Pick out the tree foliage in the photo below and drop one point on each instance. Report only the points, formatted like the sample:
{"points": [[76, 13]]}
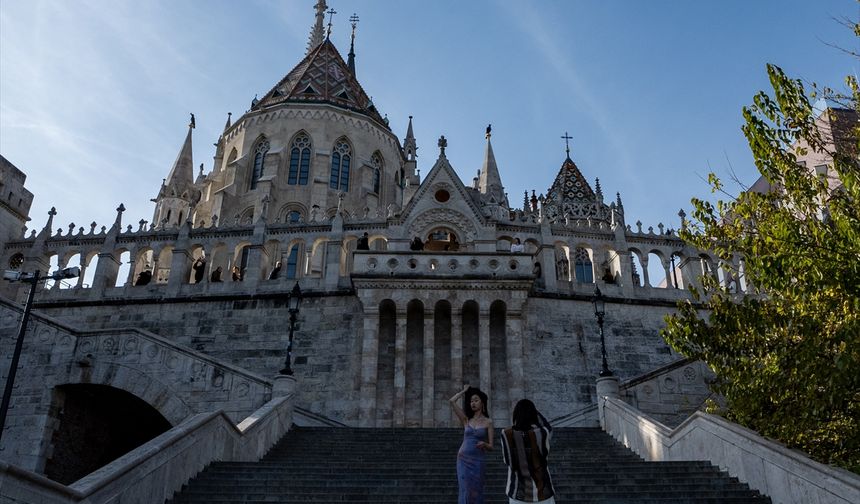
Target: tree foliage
{"points": [[787, 354]]}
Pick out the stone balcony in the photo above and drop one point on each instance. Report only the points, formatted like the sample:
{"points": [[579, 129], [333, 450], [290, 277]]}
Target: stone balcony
{"points": [[443, 265]]}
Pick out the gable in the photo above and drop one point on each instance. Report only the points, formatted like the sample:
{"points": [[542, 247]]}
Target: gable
{"points": [[442, 189]]}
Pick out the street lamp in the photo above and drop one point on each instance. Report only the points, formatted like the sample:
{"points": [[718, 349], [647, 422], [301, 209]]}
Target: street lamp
{"points": [[294, 299], [33, 279], [599, 311]]}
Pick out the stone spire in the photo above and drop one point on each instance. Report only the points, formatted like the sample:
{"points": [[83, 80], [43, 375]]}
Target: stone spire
{"points": [[409, 145], [182, 172], [490, 183], [229, 121], [317, 32], [350, 61]]}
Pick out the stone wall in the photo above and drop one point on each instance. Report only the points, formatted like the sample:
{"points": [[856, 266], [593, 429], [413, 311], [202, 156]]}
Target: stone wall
{"points": [[561, 346]]}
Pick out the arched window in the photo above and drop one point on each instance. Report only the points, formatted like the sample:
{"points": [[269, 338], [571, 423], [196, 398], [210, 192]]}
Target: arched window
{"points": [[582, 264], [341, 157], [294, 217], [259, 159], [377, 164], [293, 262], [300, 160]]}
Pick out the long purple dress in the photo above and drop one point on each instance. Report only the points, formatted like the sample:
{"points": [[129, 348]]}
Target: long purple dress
{"points": [[470, 466]]}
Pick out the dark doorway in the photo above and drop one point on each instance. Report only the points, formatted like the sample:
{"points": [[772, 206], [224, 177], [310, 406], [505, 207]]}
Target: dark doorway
{"points": [[97, 424]]}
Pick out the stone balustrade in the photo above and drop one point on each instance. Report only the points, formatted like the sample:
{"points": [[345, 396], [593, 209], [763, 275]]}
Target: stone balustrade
{"points": [[443, 265]]}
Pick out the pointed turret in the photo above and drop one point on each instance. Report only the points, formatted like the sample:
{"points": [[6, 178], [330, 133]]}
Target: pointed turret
{"points": [[350, 61], [410, 148], [178, 190], [229, 121], [489, 181], [317, 35]]}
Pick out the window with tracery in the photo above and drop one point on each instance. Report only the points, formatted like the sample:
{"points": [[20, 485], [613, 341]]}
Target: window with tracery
{"points": [[259, 159], [300, 160], [341, 158], [377, 164], [582, 266]]}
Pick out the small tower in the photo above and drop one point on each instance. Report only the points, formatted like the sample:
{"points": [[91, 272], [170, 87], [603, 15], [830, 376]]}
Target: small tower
{"points": [[177, 194], [489, 181], [408, 177]]}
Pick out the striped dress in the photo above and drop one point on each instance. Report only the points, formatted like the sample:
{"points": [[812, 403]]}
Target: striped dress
{"points": [[525, 454]]}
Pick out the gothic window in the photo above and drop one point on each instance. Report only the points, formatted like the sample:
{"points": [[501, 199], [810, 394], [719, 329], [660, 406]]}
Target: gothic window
{"points": [[259, 159], [293, 262], [300, 160], [582, 264], [341, 157], [377, 164]]}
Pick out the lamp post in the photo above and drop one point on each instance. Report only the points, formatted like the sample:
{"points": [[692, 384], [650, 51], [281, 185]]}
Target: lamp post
{"points": [[33, 279], [599, 311], [294, 299]]}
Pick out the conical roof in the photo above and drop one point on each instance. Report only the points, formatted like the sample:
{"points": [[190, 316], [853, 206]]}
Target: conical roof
{"points": [[182, 173], [321, 77], [570, 186]]}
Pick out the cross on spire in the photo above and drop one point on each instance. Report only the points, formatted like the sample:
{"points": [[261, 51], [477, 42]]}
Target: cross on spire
{"points": [[354, 20], [331, 13], [567, 139]]}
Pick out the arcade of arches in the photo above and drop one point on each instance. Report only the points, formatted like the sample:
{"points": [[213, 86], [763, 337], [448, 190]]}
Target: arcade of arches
{"points": [[418, 352]]}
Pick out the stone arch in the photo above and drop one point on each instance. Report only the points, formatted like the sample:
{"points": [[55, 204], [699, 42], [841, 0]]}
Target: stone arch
{"points": [[425, 222], [164, 260], [99, 423], [89, 263], [295, 265], [144, 260], [292, 213], [503, 243]]}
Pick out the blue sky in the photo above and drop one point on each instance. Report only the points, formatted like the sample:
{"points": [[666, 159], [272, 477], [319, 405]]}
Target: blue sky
{"points": [[95, 94]]}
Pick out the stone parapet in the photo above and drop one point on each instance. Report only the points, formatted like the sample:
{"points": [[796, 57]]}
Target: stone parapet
{"points": [[786, 476]]}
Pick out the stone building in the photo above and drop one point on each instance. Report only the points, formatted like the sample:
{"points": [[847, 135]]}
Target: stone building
{"points": [[386, 332]]}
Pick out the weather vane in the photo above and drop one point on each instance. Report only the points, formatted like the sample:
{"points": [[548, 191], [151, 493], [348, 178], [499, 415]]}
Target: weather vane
{"points": [[567, 139]]}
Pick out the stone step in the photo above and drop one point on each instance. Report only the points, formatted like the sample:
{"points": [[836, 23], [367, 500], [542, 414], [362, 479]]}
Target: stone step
{"points": [[418, 466]]}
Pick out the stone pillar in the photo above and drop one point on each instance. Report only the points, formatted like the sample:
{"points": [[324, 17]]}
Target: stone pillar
{"points": [[399, 407], [607, 387], [670, 279], [456, 355], [514, 351], [331, 271], [484, 350], [131, 265], [180, 270], [646, 280], [549, 275], [257, 254], [106, 269], [283, 385], [369, 362], [429, 392]]}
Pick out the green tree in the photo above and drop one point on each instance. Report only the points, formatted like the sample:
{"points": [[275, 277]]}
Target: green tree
{"points": [[787, 355]]}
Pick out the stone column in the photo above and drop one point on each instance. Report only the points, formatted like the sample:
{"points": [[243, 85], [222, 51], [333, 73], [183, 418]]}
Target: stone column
{"points": [[369, 362], [180, 270], [456, 355], [257, 255], [670, 280], [428, 394], [399, 407], [106, 268], [514, 350], [646, 281], [484, 350]]}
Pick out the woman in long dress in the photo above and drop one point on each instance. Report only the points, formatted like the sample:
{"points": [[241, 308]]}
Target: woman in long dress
{"points": [[477, 440]]}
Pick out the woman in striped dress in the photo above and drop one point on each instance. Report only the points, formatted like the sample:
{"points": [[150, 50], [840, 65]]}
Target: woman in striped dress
{"points": [[525, 447]]}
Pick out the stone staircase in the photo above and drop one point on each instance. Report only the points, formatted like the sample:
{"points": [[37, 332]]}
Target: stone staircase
{"points": [[418, 466]]}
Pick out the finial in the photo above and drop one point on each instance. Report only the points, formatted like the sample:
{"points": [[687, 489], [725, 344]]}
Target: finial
{"points": [[331, 13], [567, 139], [52, 212], [354, 20], [192, 124], [489, 131], [442, 144], [120, 208]]}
